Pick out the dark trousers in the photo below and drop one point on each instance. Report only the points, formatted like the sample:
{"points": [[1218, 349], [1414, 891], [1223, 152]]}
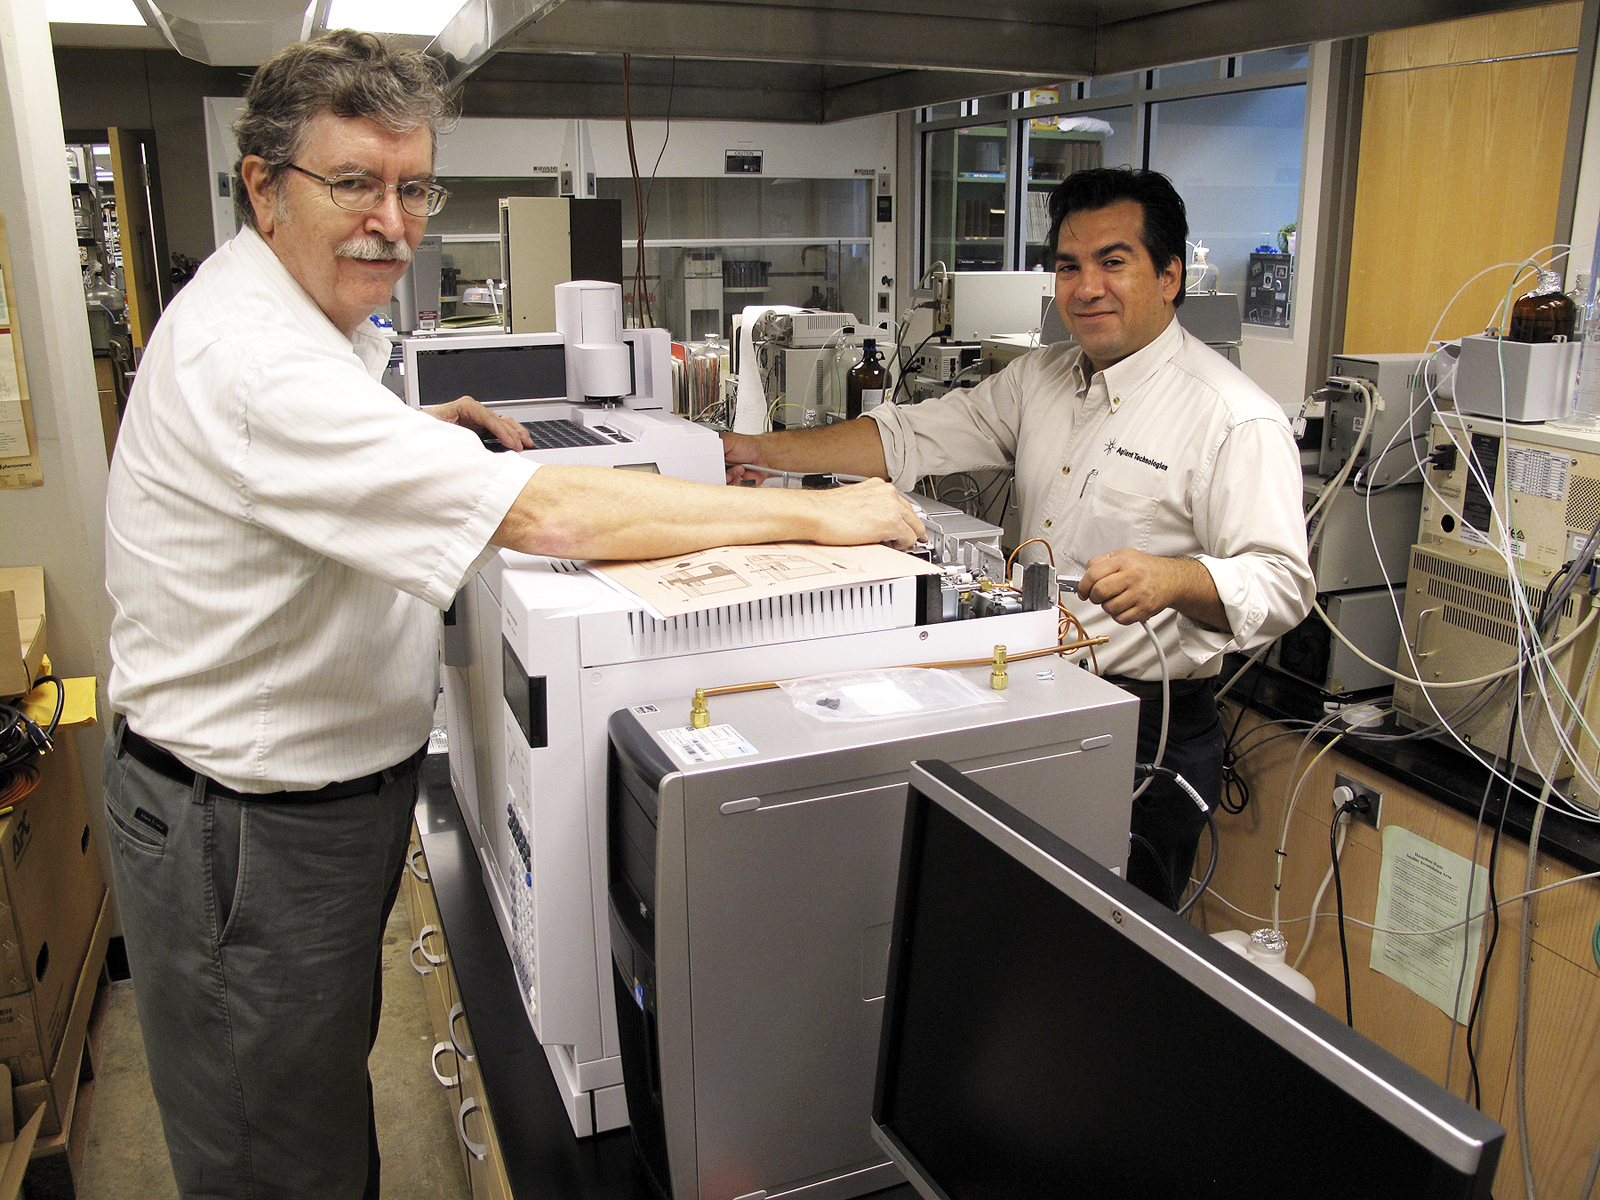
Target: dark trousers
{"points": [[254, 934], [1166, 822]]}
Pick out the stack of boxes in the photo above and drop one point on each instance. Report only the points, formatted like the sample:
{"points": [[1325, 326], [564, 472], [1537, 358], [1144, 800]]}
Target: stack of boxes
{"points": [[54, 923]]}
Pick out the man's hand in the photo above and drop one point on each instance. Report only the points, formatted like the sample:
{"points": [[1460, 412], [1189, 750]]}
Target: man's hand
{"points": [[1133, 587], [469, 414], [863, 513], [739, 449]]}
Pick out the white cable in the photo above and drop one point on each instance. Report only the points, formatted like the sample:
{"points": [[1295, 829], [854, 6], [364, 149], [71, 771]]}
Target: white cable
{"points": [[1282, 849], [1322, 889], [1477, 916], [1526, 940], [1166, 710]]}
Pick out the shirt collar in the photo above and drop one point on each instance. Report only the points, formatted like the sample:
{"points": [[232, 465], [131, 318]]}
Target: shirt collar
{"points": [[1126, 376], [298, 308]]}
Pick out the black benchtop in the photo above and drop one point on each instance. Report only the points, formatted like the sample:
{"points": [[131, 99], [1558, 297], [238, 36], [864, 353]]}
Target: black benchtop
{"points": [[542, 1158], [1440, 770]]}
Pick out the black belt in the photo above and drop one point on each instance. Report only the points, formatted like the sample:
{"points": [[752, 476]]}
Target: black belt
{"points": [[1150, 689], [165, 764]]}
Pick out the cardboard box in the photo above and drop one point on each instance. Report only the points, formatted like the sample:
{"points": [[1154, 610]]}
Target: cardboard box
{"points": [[51, 894], [21, 628], [14, 1153], [57, 1092]]}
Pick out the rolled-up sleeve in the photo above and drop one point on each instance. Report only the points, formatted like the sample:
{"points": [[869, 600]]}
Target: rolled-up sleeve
{"points": [[1251, 527], [967, 429]]}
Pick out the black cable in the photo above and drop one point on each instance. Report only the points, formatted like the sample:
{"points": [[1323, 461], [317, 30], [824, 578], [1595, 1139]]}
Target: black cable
{"points": [[1138, 839], [1348, 806], [1232, 781], [1178, 905], [901, 379], [22, 740], [1211, 869]]}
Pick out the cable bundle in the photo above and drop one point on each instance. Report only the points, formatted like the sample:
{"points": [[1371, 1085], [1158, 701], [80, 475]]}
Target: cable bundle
{"points": [[22, 741]]}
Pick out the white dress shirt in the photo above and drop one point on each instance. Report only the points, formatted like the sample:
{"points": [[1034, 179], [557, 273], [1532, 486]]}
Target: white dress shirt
{"points": [[281, 533], [1172, 451]]}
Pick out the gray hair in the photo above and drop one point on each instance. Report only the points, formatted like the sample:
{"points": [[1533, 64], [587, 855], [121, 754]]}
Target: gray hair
{"points": [[345, 72]]}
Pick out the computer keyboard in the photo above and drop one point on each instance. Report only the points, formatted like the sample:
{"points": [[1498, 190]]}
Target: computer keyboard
{"points": [[556, 435]]}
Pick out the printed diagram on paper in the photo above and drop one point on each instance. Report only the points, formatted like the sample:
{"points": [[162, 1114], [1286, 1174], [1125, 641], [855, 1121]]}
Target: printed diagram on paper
{"points": [[670, 587]]}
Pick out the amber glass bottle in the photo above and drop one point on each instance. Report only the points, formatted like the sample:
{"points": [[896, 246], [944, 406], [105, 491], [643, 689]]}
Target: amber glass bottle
{"points": [[1545, 314], [865, 382]]}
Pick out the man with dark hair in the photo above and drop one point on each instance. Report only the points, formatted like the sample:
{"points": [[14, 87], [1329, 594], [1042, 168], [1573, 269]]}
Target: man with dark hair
{"points": [[1147, 467], [281, 534]]}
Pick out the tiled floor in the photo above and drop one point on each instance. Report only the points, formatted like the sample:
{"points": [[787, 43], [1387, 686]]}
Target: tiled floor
{"points": [[127, 1158]]}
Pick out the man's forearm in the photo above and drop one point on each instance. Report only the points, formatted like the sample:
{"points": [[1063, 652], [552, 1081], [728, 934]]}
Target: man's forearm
{"points": [[596, 512], [849, 448]]}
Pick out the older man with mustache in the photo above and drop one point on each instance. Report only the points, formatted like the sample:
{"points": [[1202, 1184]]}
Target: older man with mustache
{"points": [[281, 533]]}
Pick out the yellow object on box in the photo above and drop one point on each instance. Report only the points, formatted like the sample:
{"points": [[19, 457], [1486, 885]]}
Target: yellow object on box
{"points": [[21, 628], [40, 704]]}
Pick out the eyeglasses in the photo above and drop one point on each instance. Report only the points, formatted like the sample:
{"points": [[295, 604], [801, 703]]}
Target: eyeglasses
{"points": [[363, 193]]}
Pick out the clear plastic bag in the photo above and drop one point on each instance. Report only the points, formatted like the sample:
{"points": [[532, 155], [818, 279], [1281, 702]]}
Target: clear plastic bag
{"points": [[889, 692]]}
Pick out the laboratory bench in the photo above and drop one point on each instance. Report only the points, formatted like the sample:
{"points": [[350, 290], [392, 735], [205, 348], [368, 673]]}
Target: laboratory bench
{"points": [[540, 1156], [1438, 769]]}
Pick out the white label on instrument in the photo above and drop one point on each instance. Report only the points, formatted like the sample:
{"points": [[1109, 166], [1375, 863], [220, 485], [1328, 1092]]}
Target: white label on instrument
{"points": [[706, 745], [1537, 472]]}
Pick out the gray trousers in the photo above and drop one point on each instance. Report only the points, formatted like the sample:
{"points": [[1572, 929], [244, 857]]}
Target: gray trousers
{"points": [[254, 934]]}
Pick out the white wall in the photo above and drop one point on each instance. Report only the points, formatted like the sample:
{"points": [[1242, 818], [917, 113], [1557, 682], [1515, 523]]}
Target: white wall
{"points": [[59, 525], [1586, 212], [517, 146]]}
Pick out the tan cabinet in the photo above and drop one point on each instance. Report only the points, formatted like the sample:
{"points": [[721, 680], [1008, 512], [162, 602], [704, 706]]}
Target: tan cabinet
{"points": [[452, 1054]]}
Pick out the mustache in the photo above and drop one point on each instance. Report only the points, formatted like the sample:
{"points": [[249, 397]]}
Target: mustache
{"points": [[373, 247]]}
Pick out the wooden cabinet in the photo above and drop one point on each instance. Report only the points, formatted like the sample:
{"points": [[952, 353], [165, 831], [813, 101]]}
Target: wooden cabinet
{"points": [[453, 1057]]}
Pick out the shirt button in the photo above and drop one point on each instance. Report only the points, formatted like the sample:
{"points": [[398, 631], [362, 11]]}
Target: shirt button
{"points": [[1066, 470], [1047, 524]]}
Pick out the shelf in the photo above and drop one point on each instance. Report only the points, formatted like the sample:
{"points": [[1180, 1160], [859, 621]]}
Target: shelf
{"points": [[726, 288], [981, 176]]}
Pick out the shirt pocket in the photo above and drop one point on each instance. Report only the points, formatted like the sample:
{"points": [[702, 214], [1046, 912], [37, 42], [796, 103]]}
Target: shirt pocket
{"points": [[1107, 518]]}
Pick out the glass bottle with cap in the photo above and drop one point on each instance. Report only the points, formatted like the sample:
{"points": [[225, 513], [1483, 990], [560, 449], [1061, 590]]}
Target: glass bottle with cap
{"points": [[865, 382], [1546, 314]]}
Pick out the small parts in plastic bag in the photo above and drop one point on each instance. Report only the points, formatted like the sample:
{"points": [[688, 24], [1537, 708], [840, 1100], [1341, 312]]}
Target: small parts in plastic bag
{"points": [[890, 692]]}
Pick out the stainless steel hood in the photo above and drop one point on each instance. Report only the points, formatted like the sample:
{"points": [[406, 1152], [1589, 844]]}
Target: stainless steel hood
{"points": [[827, 60], [785, 60]]}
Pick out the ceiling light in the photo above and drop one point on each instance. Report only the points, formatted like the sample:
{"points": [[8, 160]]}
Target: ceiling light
{"points": [[425, 17], [93, 12]]}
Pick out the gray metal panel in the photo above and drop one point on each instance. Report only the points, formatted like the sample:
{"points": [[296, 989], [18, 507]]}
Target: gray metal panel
{"points": [[1042, 38], [1203, 30], [775, 895]]}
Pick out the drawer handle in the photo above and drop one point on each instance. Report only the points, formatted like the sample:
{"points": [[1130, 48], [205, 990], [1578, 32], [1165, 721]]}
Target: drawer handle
{"points": [[478, 1150], [420, 968], [412, 859], [448, 1081], [456, 1013], [422, 937]]}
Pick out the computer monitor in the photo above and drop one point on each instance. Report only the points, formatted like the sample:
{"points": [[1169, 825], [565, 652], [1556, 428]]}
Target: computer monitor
{"points": [[1050, 1031], [494, 368]]}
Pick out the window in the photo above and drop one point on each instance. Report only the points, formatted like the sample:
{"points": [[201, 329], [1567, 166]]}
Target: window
{"points": [[1235, 159], [1231, 146]]}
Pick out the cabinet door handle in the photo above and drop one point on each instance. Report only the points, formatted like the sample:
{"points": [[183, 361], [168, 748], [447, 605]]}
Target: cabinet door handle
{"points": [[444, 1080], [412, 859], [478, 1150], [422, 937], [421, 968], [456, 1013]]}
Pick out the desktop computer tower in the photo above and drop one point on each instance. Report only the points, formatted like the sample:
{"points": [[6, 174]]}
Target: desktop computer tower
{"points": [[752, 869]]}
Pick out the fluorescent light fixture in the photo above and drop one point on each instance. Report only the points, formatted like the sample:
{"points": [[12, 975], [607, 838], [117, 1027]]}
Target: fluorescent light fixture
{"points": [[93, 12], [425, 17]]}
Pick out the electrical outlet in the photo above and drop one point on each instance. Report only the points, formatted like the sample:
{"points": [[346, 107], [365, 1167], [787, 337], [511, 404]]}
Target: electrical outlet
{"points": [[1359, 790]]}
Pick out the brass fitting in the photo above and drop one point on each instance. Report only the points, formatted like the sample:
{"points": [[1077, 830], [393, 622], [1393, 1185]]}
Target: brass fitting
{"points": [[997, 673], [699, 713]]}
